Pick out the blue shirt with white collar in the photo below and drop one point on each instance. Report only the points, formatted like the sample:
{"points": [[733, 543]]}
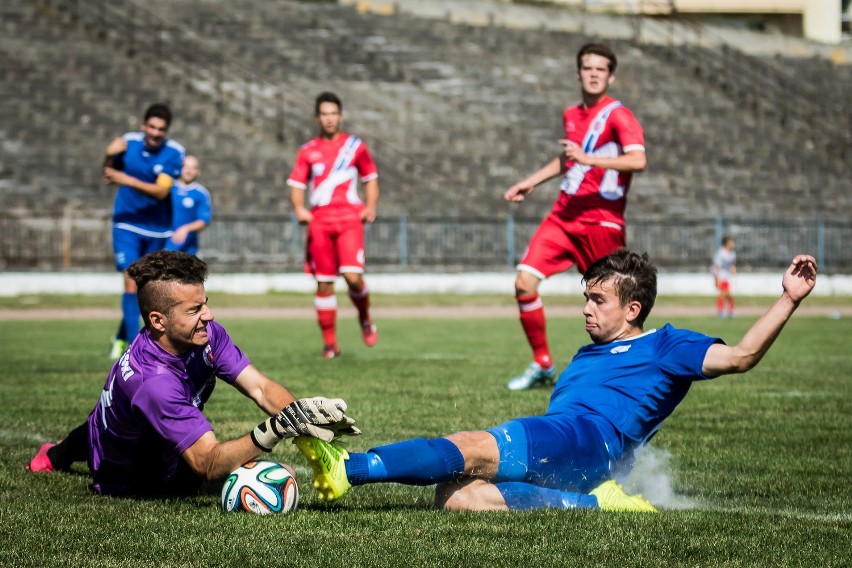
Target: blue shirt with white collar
{"points": [[190, 202], [631, 386], [136, 211]]}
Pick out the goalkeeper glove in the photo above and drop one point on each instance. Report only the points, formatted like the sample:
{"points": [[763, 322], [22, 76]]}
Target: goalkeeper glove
{"points": [[346, 427], [304, 417]]}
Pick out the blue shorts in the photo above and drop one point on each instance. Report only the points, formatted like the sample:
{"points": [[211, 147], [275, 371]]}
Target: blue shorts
{"points": [[129, 246], [562, 452]]}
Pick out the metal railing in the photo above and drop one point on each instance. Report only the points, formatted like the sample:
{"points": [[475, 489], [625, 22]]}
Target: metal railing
{"points": [[76, 241]]}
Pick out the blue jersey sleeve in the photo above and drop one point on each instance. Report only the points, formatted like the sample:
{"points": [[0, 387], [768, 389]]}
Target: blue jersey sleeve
{"points": [[205, 208], [173, 162], [680, 355]]}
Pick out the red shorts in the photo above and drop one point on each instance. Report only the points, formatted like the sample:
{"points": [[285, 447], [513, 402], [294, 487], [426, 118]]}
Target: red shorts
{"points": [[334, 246], [557, 245], [724, 286]]}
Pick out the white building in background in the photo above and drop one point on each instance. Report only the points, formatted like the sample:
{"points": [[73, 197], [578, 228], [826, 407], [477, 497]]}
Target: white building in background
{"points": [[822, 21], [818, 20]]}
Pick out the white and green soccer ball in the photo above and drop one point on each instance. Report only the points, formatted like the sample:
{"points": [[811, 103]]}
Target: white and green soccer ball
{"points": [[261, 487]]}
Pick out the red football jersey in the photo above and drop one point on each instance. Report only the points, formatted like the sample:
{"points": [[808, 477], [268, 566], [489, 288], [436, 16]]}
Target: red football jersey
{"points": [[330, 170], [597, 195]]}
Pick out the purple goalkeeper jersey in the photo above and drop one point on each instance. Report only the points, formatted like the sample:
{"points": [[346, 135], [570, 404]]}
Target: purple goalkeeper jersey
{"points": [[150, 410]]}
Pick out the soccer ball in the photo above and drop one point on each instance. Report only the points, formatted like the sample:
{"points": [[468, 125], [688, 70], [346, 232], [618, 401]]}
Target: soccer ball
{"points": [[261, 487]]}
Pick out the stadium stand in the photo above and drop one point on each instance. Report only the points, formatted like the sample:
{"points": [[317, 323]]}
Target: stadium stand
{"points": [[454, 113]]}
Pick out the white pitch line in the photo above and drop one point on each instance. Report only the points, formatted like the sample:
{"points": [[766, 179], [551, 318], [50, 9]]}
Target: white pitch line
{"points": [[796, 515]]}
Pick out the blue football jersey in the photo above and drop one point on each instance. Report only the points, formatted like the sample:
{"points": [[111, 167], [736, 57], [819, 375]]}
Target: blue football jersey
{"points": [[134, 210], [190, 203], [633, 383]]}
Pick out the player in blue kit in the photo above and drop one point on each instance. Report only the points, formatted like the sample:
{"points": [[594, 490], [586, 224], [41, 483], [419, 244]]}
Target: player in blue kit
{"points": [[191, 209], [611, 399], [144, 166]]}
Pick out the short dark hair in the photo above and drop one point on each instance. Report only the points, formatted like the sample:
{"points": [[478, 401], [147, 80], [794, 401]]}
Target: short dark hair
{"points": [[159, 110], [153, 274], [601, 49], [327, 97], [633, 275], [726, 239]]}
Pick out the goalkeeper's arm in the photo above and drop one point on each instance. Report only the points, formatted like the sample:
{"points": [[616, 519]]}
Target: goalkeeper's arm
{"points": [[288, 419], [318, 417], [213, 460]]}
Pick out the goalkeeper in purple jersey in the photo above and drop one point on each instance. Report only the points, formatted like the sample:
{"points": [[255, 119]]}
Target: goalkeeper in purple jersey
{"points": [[611, 399], [147, 434]]}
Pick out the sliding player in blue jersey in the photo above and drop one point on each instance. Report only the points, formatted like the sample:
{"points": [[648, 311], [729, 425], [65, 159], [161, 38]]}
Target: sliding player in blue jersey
{"points": [[611, 399], [144, 166]]}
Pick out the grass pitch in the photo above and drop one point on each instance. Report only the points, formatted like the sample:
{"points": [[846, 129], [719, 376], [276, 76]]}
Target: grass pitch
{"points": [[751, 470]]}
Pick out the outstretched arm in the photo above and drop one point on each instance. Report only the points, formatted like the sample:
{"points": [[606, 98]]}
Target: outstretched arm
{"points": [[319, 417], [212, 460], [797, 283], [524, 187]]}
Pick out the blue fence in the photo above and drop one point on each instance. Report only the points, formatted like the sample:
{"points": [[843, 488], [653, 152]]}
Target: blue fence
{"points": [[266, 243]]}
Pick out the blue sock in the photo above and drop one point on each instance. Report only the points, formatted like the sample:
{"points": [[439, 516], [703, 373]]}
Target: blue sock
{"points": [[525, 496], [358, 467], [413, 462], [131, 313]]}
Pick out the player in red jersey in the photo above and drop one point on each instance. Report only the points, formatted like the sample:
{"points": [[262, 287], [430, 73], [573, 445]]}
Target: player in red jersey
{"points": [[603, 146], [329, 168]]}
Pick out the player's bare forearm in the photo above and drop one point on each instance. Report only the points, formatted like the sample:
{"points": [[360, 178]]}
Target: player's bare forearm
{"points": [[212, 460], [159, 190], [194, 226], [116, 146], [269, 395], [745, 355], [634, 161], [550, 170], [525, 187], [798, 281], [371, 201]]}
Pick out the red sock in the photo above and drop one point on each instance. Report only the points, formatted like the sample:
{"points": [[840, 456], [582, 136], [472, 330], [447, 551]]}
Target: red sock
{"points": [[535, 326], [326, 306], [361, 299], [731, 304], [720, 304]]}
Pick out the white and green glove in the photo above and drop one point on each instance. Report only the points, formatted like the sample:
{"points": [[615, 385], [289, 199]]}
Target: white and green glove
{"points": [[319, 417]]}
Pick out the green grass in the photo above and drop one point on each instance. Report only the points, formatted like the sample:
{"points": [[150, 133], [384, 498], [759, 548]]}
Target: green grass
{"points": [[759, 464], [301, 300]]}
